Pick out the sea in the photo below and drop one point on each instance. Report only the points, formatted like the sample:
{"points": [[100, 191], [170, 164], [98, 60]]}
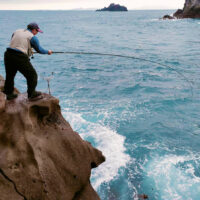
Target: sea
{"points": [[143, 113]]}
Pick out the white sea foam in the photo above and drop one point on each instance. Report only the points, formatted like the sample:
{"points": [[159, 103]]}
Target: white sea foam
{"points": [[153, 20], [172, 180], [108, 141]]}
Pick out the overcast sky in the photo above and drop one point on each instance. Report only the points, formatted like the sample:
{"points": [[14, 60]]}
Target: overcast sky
{"points": [[87, 4]]}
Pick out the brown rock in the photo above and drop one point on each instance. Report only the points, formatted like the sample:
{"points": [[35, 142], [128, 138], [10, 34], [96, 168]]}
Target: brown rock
{"points": [[1, 83], [7, 190], [142, 196], [2, 101], [191, 10], [41, 157]]}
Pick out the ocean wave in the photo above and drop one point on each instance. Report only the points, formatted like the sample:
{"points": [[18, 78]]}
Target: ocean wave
{"points": [[174, 177], [106, 140]]}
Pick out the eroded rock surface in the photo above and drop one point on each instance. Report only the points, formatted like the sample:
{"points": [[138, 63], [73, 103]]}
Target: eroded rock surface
{"points": [[41, 157]]}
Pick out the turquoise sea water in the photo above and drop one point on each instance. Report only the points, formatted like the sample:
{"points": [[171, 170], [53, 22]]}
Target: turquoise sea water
{"points": [[144, 117]]}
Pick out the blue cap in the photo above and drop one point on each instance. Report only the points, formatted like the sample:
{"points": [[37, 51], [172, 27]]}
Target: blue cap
{"points": [[34, 25]]}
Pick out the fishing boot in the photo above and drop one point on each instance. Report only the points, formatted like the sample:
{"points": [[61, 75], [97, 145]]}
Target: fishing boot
{"points": [[11, 96], [36, 95]]}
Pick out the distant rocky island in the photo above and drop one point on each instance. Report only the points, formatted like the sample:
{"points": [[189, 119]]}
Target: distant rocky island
{"points": [[113, 7], [191, 9]]}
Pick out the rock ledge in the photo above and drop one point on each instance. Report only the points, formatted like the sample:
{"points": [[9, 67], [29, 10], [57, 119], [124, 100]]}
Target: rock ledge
{"points": [[41, 157]]}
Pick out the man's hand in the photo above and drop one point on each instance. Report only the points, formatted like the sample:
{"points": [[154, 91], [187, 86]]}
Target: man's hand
{"points": [[50, 52]]}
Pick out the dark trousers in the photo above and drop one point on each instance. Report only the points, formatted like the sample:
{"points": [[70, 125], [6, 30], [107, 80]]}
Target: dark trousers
{"points": [[17, 61]]}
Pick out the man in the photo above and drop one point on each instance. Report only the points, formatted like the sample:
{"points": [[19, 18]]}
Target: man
{"points": [[17, 58]]}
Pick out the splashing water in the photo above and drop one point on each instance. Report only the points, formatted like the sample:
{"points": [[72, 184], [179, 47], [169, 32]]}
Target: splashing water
{"points": [[174, 177], [106, 140]]}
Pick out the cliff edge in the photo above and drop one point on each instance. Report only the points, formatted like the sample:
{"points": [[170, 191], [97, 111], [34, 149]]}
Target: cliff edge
{"points": [[41, 157]]}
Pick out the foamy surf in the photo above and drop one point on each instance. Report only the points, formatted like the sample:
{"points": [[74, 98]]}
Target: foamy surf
{"points": [[174, 177], [109, 142]]}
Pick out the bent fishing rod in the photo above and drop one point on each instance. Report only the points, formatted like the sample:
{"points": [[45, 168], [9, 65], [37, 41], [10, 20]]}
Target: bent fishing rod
{"points": [[130, 57]]}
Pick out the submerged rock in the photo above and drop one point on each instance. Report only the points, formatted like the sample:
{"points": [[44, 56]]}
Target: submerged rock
{"points": [[191, 9], [114, 7], [41, 157]]}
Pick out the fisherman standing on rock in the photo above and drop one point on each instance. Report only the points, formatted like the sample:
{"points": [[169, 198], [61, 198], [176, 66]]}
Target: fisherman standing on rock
{"points": [[16, 58]]}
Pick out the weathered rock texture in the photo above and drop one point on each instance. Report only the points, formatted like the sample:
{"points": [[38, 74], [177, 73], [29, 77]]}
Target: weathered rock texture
{"points": [[191, 10], [41, 157]]}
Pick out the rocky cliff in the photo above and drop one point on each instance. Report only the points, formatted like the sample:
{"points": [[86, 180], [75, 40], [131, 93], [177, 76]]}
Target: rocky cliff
{"points": [[41, 157], [191, 10]]}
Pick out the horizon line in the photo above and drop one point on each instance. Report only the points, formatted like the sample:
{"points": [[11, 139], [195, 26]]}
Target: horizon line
{"points": [[85, 9]]}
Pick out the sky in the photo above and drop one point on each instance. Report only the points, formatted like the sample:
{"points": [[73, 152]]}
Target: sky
{"points": [[87, 4]]}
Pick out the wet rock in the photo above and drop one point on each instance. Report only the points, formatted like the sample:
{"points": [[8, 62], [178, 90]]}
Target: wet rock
{"points": [[142, 196], [167, 17]]}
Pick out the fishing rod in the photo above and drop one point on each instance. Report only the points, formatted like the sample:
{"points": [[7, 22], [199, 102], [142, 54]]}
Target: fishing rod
{"points": [[130, 57]]}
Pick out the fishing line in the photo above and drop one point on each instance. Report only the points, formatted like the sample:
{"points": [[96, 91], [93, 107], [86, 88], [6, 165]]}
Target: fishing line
{"points": [[190, 83], [130, 57]]}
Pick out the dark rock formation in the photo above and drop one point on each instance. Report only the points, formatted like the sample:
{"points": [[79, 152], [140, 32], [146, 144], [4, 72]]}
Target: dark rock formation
{"points": [[178, 13], [114, 7], [191, 9], [167, 17], [41, 157]]}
